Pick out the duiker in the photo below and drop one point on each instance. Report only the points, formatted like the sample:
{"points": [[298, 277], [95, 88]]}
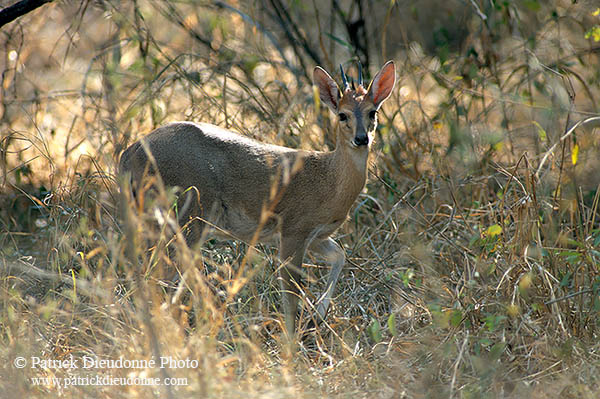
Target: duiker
{"points": [[256, 192]]}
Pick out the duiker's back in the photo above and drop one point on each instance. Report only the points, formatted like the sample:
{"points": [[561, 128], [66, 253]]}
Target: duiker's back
{"points": [[233, 174]]}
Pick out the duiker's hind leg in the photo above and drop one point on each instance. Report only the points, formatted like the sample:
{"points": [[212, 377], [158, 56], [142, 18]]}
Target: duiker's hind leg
{"points": [[188, 213]]}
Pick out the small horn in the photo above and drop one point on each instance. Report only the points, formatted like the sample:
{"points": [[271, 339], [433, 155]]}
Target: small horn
{"points": [[344, 80], [360, 77]]}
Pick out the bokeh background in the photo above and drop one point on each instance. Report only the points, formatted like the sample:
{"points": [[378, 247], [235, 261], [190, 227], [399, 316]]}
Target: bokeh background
{"points": [[473, 252]]}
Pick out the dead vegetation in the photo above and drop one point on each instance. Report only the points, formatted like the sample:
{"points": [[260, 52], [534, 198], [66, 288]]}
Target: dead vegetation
{"points": [[473, 253]]}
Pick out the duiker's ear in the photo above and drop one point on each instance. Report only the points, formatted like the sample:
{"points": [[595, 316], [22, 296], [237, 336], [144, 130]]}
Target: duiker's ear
{"points": [[329, 91], [383, 83]]}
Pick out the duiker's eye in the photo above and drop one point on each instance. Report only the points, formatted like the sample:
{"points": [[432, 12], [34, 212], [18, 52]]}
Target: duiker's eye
{"points": [[372, 114], [343, 117]]}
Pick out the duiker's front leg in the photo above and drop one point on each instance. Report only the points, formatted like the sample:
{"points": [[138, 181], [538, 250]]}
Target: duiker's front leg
{"points": [[332, 253], [291, 254]]}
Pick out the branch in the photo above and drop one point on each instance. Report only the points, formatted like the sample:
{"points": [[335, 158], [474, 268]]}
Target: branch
{"points": [[10, 13], [571, 295]]}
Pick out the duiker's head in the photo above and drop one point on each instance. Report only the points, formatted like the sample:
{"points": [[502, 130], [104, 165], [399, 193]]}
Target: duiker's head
{"points": [[356, 107]]}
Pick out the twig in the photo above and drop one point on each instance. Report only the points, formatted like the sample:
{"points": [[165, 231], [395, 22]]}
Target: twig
{"points": [[571, 295], [456, 364], [9, 14], [478, 11]]}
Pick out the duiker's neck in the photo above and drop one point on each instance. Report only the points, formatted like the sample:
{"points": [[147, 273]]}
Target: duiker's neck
{"points": [[351, 162]]}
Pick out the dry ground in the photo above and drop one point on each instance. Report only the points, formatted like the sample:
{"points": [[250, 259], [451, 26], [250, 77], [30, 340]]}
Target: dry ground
{"points": [[473, 253]]}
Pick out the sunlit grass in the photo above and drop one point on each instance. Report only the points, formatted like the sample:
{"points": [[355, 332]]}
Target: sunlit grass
{"points": [[473, 260]]}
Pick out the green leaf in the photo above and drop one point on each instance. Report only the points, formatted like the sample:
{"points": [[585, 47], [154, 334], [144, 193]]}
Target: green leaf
{"points": [[406, 277], [339, 41], [456, 318], [570, 256], [541, 132], [566, 280], [493, 230], [392, 325], [374, 331], [593, 33], [492, 322], [497, 350], [533, 5]]}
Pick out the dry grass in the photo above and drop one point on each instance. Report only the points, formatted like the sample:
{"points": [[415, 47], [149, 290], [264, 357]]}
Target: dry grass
{"points": [[473, 253]]}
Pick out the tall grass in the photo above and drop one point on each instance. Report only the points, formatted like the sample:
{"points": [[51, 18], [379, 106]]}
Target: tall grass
{"points": [[473, 253]]}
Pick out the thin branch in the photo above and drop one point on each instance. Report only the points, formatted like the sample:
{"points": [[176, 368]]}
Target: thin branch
{"points": [[10, 13], [571, 295]]}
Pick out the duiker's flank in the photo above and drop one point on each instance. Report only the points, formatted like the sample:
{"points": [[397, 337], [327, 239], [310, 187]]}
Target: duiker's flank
{"points": [[257, 191]]}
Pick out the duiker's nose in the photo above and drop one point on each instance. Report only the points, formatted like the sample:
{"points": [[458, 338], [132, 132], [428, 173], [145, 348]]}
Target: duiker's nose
{"points": [[361, 139]]}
